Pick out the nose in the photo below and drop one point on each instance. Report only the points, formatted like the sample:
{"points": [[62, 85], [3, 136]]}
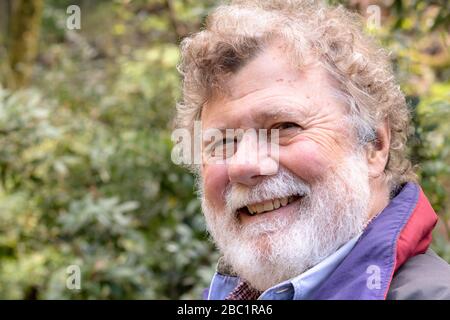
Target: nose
{"points": [[251, 162]]}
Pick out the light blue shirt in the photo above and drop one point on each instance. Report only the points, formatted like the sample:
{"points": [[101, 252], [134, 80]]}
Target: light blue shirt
{"points": [[298, 288]]}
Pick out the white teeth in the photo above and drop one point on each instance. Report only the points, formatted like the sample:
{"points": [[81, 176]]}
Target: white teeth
{"points": [[269, 205], [276, 203], [259, 208]]}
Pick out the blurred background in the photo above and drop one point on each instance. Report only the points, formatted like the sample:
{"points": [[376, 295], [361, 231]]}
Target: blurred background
{"points": [[85, 122]]}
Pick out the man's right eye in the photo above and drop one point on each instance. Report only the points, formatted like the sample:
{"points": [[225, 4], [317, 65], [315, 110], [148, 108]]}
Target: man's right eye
{"points": [[224, 148]]}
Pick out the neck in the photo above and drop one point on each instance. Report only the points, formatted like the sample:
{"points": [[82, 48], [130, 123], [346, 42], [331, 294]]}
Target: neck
{"points": [[379, 199]]}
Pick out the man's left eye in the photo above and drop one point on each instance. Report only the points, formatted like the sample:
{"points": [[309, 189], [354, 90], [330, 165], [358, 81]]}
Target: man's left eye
{"points": [[286, 125]]}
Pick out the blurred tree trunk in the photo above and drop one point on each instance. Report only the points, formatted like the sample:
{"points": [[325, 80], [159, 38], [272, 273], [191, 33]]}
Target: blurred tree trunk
{"points": [[5, 12], [23, 41]]}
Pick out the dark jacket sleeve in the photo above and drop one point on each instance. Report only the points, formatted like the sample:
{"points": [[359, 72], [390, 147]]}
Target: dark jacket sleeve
{"points": [[423, 277]]}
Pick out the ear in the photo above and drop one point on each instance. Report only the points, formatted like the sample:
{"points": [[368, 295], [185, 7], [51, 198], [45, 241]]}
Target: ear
{"points": [[378, 150]]}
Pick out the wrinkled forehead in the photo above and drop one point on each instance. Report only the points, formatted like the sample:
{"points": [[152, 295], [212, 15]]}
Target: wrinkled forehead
{"points": [[268, 83], [275, 60]]}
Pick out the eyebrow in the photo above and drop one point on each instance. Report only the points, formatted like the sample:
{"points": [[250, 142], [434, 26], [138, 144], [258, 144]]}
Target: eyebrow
{"points": [[278, 111], [285, 109]]}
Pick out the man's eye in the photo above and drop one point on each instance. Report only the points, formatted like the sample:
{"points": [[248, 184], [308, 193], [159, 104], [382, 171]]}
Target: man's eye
{"points": [[228, 142], [223, 148], [286, 125]]}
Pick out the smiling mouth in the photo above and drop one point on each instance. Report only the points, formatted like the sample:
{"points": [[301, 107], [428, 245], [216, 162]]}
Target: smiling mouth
{"points": [[267, 206]]}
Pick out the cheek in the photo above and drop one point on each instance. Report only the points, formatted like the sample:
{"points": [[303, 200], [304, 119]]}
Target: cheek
{"points": [[215, 180], [306, 159]]}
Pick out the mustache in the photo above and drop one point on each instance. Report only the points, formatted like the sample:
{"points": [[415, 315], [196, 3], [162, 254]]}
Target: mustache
{"points": [[283, 184]]}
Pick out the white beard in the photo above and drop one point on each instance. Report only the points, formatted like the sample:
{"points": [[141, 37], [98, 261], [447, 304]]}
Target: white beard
{"points": [[333, 210]]}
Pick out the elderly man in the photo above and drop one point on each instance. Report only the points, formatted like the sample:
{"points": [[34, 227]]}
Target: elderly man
{"points": [[335, 212]]}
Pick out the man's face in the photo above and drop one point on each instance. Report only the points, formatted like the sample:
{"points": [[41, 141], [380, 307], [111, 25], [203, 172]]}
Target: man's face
{"points": [[310, 199]]}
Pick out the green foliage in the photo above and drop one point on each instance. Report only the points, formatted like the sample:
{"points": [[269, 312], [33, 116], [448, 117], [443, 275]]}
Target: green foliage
{"points": [[86, 175], [85, 172]]}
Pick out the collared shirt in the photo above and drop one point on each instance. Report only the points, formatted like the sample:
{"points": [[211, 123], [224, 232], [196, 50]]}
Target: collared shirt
{"points": [[298, 288]]}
